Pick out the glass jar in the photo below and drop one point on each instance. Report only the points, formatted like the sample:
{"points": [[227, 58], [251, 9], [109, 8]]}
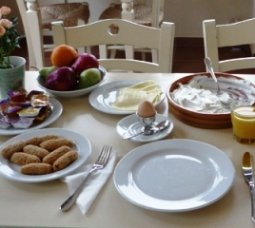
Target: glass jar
{"points": [[243, 122]]}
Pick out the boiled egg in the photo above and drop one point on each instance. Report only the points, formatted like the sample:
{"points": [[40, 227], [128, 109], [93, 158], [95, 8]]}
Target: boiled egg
{"points": [[146, 109]]}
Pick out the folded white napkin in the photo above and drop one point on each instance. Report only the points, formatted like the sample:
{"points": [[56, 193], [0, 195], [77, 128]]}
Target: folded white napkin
{"points": [[93, 184]]}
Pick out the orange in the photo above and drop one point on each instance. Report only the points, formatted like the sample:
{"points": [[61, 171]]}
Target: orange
{"points": [[63, 55]]}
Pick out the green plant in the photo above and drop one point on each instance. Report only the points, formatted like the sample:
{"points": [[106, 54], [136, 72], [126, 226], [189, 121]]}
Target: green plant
{"points": [[9, 37]]}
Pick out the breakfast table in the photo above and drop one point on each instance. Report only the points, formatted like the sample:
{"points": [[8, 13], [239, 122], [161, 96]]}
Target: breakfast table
{"points": [[37, 204]]}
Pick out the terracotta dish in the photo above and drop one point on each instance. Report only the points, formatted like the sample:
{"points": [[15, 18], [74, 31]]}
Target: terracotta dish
{"points": [[210, 120]]}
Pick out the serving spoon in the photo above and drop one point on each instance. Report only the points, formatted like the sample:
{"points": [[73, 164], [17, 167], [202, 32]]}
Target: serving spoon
{"points": [[209, 67]]}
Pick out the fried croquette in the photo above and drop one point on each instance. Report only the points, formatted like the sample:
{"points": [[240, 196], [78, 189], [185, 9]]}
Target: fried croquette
{"points": [[36, 150], [53, 144], [55, 154], [65, 160], [9, 150], [39, 139], [36, 169], [21, 158]]}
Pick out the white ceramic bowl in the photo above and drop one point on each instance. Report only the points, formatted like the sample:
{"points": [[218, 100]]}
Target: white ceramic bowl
{"points": [[72, 93]]}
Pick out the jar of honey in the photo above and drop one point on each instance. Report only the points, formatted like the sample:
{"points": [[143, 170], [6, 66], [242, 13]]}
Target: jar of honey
{"points": [[243, 122]]}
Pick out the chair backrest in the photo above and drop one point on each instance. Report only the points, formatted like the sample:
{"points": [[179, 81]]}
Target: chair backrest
{"points": [[22, 9], [30, 11], [121, 32], [227, 35], [157, 10]]}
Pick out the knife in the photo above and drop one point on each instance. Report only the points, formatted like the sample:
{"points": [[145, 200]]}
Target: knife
{"points": [[247, 168]]}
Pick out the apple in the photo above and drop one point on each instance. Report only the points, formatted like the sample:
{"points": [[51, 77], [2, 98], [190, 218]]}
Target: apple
{"points": [[85, 61], [62, 79], [45, 71], [89, 77]]}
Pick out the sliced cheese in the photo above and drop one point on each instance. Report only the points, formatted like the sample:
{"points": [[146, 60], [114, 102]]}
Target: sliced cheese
{"points": [[129, 98]]}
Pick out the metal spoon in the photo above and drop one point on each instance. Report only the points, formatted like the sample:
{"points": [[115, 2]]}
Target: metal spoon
{"points": [[153, 130], [208, 64], [209, 67]]}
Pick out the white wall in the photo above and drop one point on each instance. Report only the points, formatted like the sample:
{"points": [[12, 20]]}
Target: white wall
{"points": [[188, 14]]}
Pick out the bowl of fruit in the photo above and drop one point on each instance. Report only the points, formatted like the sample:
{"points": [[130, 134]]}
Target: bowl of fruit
{"points": [[71, 74]]}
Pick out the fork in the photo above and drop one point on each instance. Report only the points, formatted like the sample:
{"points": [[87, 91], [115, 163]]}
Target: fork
{"points": [[100, 163]]}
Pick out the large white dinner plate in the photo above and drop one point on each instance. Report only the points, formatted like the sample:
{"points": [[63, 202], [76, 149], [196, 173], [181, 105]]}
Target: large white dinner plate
{"points": [[103, 96], [57, 110], [174, 175], [83, 147]]}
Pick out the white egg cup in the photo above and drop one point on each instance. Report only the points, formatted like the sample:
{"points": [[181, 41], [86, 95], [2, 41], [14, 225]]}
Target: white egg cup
{"points": [[147, 122]]}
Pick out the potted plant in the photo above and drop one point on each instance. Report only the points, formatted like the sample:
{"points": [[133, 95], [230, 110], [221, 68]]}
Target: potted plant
{"points": [[12, 68]]}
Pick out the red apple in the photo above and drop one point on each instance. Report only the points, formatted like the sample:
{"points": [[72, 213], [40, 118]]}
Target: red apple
{"points": [[85, 61], [62, 79]]}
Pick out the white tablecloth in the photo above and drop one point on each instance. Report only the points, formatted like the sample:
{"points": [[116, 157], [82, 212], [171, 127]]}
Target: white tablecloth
{"points": [[37, 204]]}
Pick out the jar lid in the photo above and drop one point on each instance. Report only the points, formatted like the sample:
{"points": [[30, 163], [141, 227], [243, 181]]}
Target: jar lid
{"points": [[245, 111]]}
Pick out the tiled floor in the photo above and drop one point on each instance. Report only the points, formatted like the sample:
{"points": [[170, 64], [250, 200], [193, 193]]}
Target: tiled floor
{"points": [[188, 55]]}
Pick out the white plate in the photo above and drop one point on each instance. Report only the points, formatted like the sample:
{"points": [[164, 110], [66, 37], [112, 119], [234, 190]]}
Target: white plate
{"points": [[102, 97], [131, 125], [83, 147], [57, 110], [174, 175]]}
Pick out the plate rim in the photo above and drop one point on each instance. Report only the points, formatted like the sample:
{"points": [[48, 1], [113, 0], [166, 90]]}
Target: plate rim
{"points": [[54, 115], [96, 105], [168, 142], [83, 140]]}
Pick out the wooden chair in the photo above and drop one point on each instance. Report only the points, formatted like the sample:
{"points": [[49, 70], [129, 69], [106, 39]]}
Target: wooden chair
{"points": [[144, 12], [37, 16], [228, 35], [150, 13], [118, 31], [22, 10]]}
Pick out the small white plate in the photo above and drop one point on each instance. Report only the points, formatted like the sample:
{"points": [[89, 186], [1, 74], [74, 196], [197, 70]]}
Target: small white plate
{"points": [[11, 171], [174, 175], [131, 125], [56, 112], [102, 97]]}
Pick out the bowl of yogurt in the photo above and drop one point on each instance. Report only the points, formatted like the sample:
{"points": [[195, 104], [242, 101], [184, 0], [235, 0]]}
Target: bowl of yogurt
{"points": [[194, 98]]}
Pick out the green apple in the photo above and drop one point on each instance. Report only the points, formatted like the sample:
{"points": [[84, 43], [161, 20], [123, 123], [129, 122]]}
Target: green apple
{"points": [[45, 71], [89, 77]]}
